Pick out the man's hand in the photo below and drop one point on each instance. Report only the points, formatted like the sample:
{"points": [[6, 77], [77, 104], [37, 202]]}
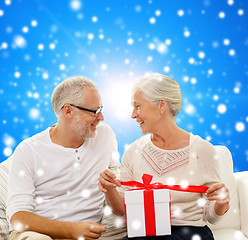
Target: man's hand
{"points": [[220, 193], [107, 181], [27, 221], [86, 230]]}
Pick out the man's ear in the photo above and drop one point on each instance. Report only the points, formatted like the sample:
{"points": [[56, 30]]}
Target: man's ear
{"points": [[67, 111]]}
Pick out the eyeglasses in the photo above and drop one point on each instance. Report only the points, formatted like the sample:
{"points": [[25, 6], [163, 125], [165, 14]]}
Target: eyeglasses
{"points": [[96, 112]]}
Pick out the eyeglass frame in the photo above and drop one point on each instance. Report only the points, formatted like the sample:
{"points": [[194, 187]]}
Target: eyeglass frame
{"points": [[96, 112]]}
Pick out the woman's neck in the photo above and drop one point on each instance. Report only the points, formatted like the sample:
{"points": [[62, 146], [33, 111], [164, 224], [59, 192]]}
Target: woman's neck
{"points": [[171, 137]]}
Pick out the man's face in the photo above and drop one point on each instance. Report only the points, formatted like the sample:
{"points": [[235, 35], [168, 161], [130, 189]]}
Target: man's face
{"points": [[84, 123]]}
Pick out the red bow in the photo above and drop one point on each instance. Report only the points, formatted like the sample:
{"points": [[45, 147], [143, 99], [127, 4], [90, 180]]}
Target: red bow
{"points": [[148, 178]]}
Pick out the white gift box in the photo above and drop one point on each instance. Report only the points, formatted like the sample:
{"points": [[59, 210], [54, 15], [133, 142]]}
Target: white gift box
{"points": [[144, 214]]}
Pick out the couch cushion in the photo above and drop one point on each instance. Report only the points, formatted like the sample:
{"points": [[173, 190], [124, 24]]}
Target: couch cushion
{"points": [[241, 178], [232, 218], [4, 227], [228, 234]]}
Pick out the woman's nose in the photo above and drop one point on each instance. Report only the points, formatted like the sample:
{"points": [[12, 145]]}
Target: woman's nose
{"points": [[134, 114]]}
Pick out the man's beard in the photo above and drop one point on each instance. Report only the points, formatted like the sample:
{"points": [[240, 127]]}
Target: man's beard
{"points": [[82, 131]]}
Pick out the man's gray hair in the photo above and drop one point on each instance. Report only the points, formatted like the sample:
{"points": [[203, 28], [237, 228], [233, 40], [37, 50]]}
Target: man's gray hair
{"points": [[70, 91], [156, 87]]}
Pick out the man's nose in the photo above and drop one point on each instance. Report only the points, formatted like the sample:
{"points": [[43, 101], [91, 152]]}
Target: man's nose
{"points": [[100, 116]]}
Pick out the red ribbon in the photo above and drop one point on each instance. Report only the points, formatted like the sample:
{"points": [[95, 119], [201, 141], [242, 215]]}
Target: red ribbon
{"points": [[149, 207], [148, 178]]}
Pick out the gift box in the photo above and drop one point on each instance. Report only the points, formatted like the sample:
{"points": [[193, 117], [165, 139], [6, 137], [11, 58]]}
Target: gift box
{"points": [[148, 207], [148, 212]]}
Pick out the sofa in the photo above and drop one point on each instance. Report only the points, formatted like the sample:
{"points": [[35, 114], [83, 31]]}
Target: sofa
{"points": [[232, 226]]}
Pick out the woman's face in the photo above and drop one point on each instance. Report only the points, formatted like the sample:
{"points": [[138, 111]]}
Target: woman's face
{"points": [[146, 114]]}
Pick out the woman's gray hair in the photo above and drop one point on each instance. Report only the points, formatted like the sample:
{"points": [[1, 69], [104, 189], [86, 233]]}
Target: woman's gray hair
{"points": [[70, 91], [156, 87]]}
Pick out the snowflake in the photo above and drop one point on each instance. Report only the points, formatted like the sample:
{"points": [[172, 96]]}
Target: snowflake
{"points": [[52, 46], [94, 19], [107, 210], [75, 5], [166, 69], [7, 2], [176, 211], [152, 20], [162, 48], [104, 66], [25, 29], [157, 12], [238, 235], [170, 181], [7, 151], [222, 15], [230, 2], [34, 23], [226, 41], [189, 109], [130, 41], [240, 126], [20, 41], [184, 184], [136, 224], [34, 113], [180, 13], [85, 193], [119, 222], [231, 52], [222, 108], [201, 55], [39, 200], [18, 226], [90, 36], [62, 67], [201, 202], [196, 237], [40, 172], [240, 12], [22, 173]]}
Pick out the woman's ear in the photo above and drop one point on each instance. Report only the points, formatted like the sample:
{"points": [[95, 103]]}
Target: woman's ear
{"points": [[163, 105]]}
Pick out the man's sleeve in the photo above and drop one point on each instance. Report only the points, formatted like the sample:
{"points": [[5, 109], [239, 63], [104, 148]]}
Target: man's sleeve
{"points": [[114, 156], [21, 188]]}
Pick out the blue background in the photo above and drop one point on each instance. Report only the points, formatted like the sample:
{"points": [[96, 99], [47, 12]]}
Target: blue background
{"points": [[203, 44]]}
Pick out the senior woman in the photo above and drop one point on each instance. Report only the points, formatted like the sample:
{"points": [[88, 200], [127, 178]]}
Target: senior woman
{"points": [[173, 156]]}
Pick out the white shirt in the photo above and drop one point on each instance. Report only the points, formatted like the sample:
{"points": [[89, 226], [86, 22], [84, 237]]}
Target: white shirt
{"points": [[60, 183], [193, 165]]}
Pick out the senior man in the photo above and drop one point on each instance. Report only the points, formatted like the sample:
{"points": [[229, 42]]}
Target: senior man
{"points": [[53, 191]]}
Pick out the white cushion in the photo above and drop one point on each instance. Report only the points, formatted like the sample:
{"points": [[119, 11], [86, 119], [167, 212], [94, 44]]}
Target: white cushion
{"points": [[4, 227], [242, 184], [232, 218], [228, 234]]}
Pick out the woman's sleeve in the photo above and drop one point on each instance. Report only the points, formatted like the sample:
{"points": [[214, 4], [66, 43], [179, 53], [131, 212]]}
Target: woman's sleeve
{"points": [[211, 171], [126, 169]]}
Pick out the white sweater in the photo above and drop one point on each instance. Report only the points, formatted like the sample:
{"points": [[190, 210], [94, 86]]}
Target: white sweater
{"points": [[192, 165], [60, 183]]}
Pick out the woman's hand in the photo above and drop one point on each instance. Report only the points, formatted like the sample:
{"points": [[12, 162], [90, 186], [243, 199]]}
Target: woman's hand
{"points": [[107, 181], [220, 193]]}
